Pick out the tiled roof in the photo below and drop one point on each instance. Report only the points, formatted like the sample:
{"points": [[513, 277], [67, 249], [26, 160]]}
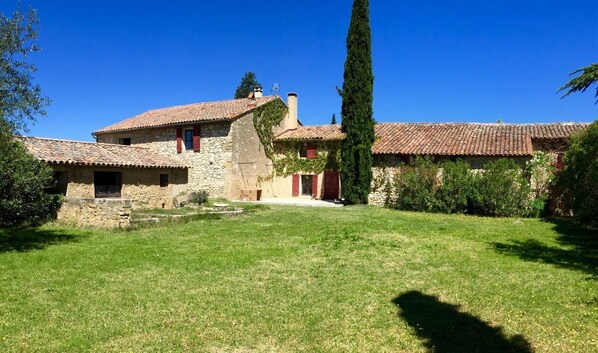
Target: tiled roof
{"points": [[448, 139], [96, 154], [320, 132], [191, 113]]}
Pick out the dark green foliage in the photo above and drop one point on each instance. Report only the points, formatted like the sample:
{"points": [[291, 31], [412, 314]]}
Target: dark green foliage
{"points": [[23, 200], [501, 190], [457, 184], [248, 83], [416, 185], [20, 98], [588, 77], [199, 197], [579, 178], [22, 178], [333, 121], [357, 111]]}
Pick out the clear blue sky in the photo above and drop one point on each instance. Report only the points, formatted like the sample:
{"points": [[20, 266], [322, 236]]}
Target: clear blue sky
{"points": [[434, 61]]}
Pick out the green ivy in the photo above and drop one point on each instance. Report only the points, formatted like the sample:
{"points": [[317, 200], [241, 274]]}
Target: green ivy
{"points": [[265, 117]]}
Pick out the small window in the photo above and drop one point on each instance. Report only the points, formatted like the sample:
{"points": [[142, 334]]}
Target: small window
{"points": [[306, 183], [189, 140], [303, 151], [59, 183], [163, 180], [107, 184], [125, 141]]}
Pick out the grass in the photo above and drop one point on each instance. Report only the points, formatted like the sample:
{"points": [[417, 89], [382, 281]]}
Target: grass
{"points": [[292, 279]]}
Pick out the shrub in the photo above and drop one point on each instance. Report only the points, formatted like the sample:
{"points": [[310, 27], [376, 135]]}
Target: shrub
{"points": [[579, 178], [501, 190], [23, 200], [456, 187], [541, 173], [416, 186], [199, 197]]}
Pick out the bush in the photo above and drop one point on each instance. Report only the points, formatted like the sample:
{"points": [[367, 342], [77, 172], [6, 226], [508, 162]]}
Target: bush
{"points": [[416, 186], [456, 187], [198, 197], [579, 178], [23, 200], [501, 190]]}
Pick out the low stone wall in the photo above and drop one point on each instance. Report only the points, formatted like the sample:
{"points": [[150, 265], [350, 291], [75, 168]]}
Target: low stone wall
{"points": [[98, 213]]}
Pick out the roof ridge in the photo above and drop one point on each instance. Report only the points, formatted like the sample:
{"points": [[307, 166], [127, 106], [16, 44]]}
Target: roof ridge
{"points": [[77, 141], [209, 102]]}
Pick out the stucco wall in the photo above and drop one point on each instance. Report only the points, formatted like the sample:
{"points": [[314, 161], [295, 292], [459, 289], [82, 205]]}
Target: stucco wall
{"points": [[249, 160], [142, 186]]}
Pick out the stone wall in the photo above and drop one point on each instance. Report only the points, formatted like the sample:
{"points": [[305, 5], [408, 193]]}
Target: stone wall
{"points": [[97, 213], [140, 185], [209, 169]]}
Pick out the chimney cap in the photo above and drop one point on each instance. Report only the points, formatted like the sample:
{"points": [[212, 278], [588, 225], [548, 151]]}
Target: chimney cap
{"points": [[292, 94]]}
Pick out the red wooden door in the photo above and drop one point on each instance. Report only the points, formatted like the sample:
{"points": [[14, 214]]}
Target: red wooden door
{"points": [[331, 185]]}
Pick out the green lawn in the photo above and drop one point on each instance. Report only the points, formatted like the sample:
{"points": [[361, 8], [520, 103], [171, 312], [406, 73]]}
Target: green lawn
{"points": [[290, 279]]}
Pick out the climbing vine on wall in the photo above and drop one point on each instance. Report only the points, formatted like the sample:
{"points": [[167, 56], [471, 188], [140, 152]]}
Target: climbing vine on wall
{"points": [[265, 118], [289, 162], [286, 161]]}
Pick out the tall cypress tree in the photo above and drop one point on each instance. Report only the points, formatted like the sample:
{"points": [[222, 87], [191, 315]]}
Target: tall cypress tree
{"points": [[357, 112]]}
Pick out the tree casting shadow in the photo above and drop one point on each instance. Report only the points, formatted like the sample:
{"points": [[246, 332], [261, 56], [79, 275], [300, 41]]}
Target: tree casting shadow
{"points": [[27, 239], [445, 329], [580, 252]]}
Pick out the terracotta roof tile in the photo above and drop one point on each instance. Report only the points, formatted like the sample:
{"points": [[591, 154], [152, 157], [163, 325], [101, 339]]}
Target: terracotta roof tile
{"points": [[191, 113], [448, 139], [95, 154], [321, 132]]}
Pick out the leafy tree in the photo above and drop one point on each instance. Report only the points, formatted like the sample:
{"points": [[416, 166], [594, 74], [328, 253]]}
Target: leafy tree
{"points": [[22, 178], [357, 112], [588, 77], [20, 99], [579, 178], [23, 200], [333, 121], [248, 83]]}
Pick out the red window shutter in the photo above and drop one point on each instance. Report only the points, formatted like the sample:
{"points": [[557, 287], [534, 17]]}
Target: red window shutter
{"points": [[196, 134], [560, 163], [295, 184], [314, 185], [311, 152], [179, 140]]}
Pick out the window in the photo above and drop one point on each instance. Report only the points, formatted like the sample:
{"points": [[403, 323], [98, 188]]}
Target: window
{"points": [[306, 185], [188, 140], [107, 184], [163, 180], [59, 184], [303, 151], [125, 141]]}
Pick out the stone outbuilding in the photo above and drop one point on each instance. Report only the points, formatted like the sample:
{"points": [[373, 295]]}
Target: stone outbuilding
{"points": [[103, 182]]}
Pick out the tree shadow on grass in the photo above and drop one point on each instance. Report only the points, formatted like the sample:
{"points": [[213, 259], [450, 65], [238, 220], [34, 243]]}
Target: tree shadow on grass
{"points": [[27, 239], [446, 329], [579, 249]]}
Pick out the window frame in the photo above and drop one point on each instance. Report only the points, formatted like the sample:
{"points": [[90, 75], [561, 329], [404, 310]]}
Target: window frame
{"points": [[164, 182], [188, 139], [105, 189]]}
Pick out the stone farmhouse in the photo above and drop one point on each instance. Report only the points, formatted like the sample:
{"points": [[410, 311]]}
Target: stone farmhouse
{"points": [[151, 159]]}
